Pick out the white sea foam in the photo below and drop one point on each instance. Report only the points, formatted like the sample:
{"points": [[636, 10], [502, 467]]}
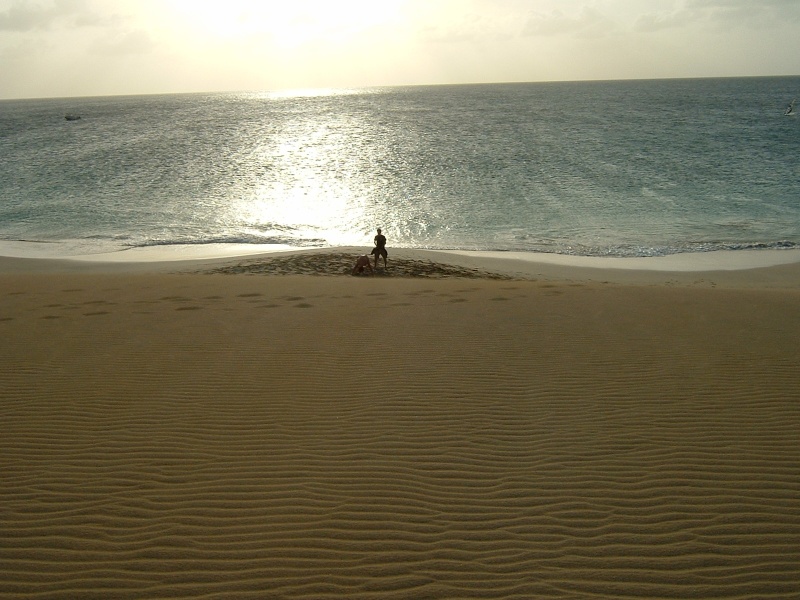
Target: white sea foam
{"points": [[721, 260]]}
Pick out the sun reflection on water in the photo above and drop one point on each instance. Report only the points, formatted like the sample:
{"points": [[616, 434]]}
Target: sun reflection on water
{"points": [[311, 179], [319, 170], [310, 93]]}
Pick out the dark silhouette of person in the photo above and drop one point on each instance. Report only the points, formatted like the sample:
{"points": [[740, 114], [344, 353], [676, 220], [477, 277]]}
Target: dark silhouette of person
{"points": [[380, 248]]}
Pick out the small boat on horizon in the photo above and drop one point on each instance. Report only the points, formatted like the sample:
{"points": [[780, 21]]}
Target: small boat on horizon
{"points": [[790, 109], [72, 117]]}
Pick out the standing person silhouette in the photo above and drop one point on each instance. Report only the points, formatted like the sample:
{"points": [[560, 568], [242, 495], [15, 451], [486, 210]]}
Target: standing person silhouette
{"points": [[380, 248]]}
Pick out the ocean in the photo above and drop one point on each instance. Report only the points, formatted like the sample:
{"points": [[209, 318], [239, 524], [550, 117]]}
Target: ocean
{"points": [[622, 168]]}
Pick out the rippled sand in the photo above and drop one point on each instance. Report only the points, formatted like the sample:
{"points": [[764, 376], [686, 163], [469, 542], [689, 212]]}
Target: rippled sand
{"points": [[248, 436]]}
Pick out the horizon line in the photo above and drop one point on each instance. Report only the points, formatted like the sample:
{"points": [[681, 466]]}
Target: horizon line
{"points": [[284, 90]]}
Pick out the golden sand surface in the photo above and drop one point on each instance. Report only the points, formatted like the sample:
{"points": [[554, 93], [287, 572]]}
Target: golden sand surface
{"points": [[250, 435]]}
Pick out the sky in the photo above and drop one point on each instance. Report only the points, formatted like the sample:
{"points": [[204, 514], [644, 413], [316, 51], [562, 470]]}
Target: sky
{"points": [[62, 48]]}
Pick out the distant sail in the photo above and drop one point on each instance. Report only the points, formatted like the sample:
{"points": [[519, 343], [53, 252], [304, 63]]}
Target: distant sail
{"points": [[790, 108]]}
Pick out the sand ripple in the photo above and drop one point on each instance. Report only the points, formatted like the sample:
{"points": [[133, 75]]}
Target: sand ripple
{"points": [[525, 442]]}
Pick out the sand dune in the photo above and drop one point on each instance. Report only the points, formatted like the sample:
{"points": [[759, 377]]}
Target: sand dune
{"points": [[235, 436]]}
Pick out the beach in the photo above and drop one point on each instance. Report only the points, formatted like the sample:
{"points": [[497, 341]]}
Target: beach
{"points": [[457, 426]]}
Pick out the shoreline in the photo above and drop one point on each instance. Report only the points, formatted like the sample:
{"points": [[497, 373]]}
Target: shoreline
{"points": [[738, 268]]}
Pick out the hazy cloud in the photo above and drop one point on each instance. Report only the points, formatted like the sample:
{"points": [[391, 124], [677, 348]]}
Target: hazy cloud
{"points": [[664, 20], [587, 22], [149, 46], [469, 27], [132, 42], [724, 14], [29, 15], [765, 4]]}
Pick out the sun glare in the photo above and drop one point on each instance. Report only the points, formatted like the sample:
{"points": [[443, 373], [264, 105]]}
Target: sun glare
{"points": [[332, 22], [286, 23]]}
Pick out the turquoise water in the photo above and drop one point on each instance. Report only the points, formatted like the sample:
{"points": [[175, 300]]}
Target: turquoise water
{"points": [[637, 168]]}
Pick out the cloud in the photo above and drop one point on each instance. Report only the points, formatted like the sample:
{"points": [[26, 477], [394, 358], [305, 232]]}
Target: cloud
{"points": [[758, 14], [25, 15], [588, 22], [722, 15], [140, 46], [459, 21], [132, 42], [664, 20], [468, 27], [727, 4]]}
